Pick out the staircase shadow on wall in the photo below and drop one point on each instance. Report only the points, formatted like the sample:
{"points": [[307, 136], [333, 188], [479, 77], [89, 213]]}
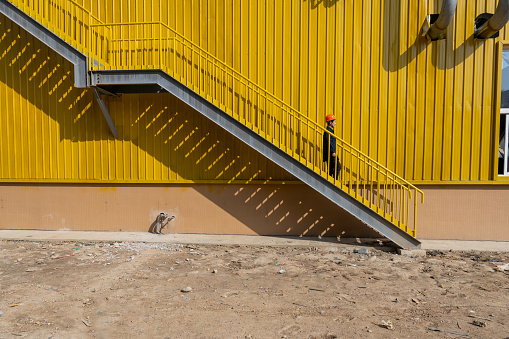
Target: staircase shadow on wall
{"points": [[154, 130]]}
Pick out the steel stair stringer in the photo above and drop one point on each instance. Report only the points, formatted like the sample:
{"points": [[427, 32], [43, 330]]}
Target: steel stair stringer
{"points": [[264, 147]]}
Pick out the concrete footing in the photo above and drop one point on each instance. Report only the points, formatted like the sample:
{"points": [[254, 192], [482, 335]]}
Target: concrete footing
{"points": [[412, 253]]}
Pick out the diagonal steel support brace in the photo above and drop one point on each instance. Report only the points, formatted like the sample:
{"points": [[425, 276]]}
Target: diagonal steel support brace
{"points": [[105, 112]]}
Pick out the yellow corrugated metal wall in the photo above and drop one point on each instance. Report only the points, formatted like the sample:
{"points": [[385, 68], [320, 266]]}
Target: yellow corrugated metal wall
{"points": [[424, 110], [50, 130]]}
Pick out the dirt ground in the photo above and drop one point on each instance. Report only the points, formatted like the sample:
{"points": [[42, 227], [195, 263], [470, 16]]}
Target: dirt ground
{"points": [[136, 290]]}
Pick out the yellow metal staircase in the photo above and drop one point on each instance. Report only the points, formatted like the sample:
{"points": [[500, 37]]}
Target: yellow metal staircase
{"points": [[372, 191]]}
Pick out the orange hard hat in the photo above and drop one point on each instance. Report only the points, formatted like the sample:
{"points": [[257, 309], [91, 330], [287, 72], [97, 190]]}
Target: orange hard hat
{"points": [[330, 117]]}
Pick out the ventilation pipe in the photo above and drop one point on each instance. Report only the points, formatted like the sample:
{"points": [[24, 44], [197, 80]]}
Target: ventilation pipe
{"points": [[439, 26], [486, 29]]}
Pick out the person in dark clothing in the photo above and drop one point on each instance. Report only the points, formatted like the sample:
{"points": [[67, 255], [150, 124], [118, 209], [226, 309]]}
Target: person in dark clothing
{"points": [[329, 147]]}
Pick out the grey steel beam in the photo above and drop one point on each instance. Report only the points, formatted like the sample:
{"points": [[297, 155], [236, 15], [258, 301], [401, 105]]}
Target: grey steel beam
{"points": [[105, 112], [53, 41], [326, 188]]}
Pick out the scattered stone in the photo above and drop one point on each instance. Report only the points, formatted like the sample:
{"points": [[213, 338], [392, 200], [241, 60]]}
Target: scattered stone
{"points": [[502, 268], [214, 271], [1, 313], [412, 253], [85, 322], [361, 250], [186, 289], [416, 301], [479, 323], [281, 271], [387, 324]]}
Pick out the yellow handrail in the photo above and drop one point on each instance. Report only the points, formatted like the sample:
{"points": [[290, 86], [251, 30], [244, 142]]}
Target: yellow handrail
{"points": [[155, 45]]}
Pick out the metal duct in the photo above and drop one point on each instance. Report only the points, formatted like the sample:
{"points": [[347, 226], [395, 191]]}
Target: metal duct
{"points": [[437, 30], [495, 23]]}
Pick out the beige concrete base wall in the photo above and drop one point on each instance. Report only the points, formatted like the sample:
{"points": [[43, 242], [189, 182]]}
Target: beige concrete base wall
{"points": [[449, 212], [464, 212], [292, 209]]}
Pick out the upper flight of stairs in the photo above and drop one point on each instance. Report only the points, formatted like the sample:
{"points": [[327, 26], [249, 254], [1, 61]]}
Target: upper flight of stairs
{"points": [[153, 57]]}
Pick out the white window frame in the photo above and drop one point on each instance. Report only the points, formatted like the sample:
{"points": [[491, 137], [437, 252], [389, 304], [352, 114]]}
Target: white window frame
{"points": [[505, 111]]}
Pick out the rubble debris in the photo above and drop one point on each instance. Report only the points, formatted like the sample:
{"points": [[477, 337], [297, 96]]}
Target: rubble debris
{"points": [[387, 324], [446, 331], [85, 322], [503, 268], [363, 250], [479, 323]]}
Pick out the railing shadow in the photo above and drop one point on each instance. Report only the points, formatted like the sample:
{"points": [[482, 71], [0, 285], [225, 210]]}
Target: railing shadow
{"points": [[275, 121], [240, 98], [157, 126]]}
